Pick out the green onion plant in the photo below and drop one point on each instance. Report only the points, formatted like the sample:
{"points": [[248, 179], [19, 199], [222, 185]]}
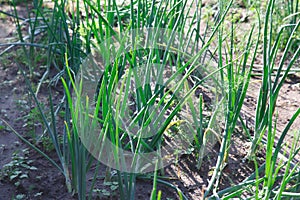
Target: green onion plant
{"points": [[134, 75]]}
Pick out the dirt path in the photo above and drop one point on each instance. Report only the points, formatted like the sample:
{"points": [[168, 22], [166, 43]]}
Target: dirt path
{"points": [[9, 97], [14, 107]]}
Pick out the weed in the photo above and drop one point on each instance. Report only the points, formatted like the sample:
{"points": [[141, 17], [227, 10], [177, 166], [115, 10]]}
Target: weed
{"points": [[18, 169], [110, 191]]}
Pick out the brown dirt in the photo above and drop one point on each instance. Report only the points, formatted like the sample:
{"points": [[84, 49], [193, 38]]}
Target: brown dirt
{"points": [[287, 103], [49, 182], [14, 106], [46, 182]]}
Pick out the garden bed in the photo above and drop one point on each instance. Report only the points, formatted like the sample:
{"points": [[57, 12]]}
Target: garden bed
{"points": [[26, 174]]}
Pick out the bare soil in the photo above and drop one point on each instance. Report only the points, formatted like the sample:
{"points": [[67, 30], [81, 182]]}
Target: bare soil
{"points": [[46, 182]]}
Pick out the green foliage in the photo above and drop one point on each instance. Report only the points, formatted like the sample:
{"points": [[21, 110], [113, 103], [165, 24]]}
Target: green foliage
{"points": [[110, 191], [286, 15], [70, 32], [18, 168], [31, 121]]}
